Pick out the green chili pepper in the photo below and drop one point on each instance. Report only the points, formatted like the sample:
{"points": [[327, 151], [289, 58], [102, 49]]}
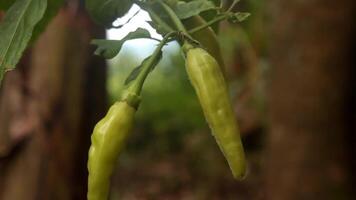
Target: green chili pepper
{"points": [[211, 88], [207, 38], [108, 139], [111, 132]]}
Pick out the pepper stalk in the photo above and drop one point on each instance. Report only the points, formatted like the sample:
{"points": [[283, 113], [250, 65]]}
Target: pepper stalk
{"points": [[132, 94]]}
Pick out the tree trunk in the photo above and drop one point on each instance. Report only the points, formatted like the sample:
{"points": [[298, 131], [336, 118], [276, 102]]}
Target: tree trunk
{"points": [[310, 100], [48, 107]]}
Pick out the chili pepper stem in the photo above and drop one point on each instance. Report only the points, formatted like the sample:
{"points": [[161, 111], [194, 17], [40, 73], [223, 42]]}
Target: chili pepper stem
{"points": [[209, 23], [136, 86], [175, 19], [155, 18], [159, 21]]}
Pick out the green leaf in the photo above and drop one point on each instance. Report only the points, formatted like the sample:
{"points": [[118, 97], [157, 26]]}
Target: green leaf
{"points": [[136, 71], [51, 11], [239, 17], [110, 48], [160, 13], [185, 10], [211, 14], [104, 12], [5, 4], [206, 37], [156, 27], [16, 31]]}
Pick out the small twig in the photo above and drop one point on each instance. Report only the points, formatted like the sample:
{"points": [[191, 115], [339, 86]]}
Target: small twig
{"points": [[136, 86], [233, 5], [207, 24]]}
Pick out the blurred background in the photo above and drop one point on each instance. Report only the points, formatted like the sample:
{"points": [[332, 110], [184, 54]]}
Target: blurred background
{"points": [[291, 71]]}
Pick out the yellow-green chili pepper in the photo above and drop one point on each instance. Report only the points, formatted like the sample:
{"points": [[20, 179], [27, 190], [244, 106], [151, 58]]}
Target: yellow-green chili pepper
{"points": [[108, 139], [111, 132], [212, 91], [207, 38]]}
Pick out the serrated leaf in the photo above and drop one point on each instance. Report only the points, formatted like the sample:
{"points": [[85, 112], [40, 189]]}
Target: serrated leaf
{"points": [[239, 16], [5, 4], [136, 71], [104, 12], [110, 48], [16, 30], [185, 10]]}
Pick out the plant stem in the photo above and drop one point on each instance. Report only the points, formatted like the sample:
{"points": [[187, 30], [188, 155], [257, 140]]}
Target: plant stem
{"points": [[207, 24], [155, 18], [232, 5], [159, 21], [179, 25], [136, 86]]}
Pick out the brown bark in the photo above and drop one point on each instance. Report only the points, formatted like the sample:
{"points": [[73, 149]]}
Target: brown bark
{"points": [[47, 109], [310, 99]]}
